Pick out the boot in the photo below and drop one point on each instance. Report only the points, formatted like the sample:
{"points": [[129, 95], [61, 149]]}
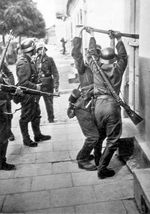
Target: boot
{"points": [[103, 171], [37, 133], [42, 137], [30, 143], [97, 156], [84, 157], [8, 167], [87, 165], [97, 153], [84, 153], [26, 138], [106, 173], [3, 164]]}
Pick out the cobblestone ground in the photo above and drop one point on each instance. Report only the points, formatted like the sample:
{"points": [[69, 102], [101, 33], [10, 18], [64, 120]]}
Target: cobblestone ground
{"points": [[48, 180]]}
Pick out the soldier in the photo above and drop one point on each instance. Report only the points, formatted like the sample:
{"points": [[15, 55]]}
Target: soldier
{"points": [[30, 111], [63, 45], [5, 119], [107, 110], [9, 80], [49, 77], [83, 111]]}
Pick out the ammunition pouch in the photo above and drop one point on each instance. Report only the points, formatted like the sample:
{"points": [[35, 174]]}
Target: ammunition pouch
{"points": [[47, 80], [47, 83]]}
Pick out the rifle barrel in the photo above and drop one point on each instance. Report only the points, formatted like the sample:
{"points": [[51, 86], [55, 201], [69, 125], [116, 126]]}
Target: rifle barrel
{"points": [[134, 36], [12, 89]]}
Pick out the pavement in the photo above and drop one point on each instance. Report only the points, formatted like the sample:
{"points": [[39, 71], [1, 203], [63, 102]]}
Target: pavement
{"points": [[47, 178]]}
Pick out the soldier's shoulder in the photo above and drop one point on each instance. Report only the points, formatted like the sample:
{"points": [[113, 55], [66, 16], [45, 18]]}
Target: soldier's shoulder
{"points": [[21, 61], [50, 58]]}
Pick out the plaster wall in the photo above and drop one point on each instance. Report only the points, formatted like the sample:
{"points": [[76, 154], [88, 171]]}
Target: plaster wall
{"points": [[144, 66]]}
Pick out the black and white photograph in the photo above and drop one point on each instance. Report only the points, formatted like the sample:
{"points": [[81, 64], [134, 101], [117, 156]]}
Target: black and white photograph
{"points": [[74, 107]]}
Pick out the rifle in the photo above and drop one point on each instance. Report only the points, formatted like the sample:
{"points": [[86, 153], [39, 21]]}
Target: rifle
{"points": [[3, 58], [132, 114], [12, 89], [134, 36]]}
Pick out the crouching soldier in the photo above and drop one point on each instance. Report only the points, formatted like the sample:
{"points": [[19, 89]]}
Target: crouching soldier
{"points": [[82, 110]]}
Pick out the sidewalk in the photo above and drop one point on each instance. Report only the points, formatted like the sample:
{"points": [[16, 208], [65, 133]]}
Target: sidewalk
{"points": [[48, 180]]}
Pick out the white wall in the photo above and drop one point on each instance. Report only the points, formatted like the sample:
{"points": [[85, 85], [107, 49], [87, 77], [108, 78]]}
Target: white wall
{"points": [[106, 15], [144, 49]]}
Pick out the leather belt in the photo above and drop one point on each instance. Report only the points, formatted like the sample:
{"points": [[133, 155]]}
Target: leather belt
{"points": [[104, 96]]}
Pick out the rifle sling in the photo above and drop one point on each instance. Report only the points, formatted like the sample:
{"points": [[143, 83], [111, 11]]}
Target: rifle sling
{"points": [[107, 83]]}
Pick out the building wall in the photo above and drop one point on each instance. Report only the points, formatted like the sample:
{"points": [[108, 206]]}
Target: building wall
{"points": [[144, 65], [108, 15]]}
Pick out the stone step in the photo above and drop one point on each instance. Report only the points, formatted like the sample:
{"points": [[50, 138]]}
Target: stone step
{"points": [[134, 154], [142, 189]]}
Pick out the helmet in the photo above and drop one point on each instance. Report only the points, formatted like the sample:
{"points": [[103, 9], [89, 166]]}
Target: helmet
{"points": [[41, 45], [27, 45], [108, 55]]}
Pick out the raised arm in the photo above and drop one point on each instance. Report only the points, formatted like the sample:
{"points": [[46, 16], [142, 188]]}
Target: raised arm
{"points": [[77, 55]]}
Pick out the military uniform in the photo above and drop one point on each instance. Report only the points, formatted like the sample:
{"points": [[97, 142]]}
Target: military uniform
{"points": [[5, 121], [49, 77], [30, 111], [107, 110], [11, 80], [84, 115]]}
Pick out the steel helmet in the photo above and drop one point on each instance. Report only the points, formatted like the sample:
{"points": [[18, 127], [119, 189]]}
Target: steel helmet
{"points": [[108, 54], [41, 45], [27, 45]]}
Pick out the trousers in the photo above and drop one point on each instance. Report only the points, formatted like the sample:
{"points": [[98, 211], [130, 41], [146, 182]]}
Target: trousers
{"points": [[108, 118], [4, 132], [89, 128], [30, 112]]}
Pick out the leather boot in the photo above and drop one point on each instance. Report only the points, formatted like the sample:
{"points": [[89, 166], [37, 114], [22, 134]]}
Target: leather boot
{"points": [[97, 153], [3, 150], [84, 153], [8, 167], [103, 171], [26, 138], [87, 165], [42, 137], [37, 133], [30, 143], [3, 164]]}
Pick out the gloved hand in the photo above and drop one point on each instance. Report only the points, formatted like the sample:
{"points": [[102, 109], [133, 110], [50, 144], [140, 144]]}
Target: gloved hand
{"points": [[89, 30], [114, 34], [18, 91], [38, 86], [57, 91], [117, 34]]}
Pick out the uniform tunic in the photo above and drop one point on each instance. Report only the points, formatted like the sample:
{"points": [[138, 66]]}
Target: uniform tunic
{"points": [[49, 77], [5, 100], [107, 110], [84, 116]]}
